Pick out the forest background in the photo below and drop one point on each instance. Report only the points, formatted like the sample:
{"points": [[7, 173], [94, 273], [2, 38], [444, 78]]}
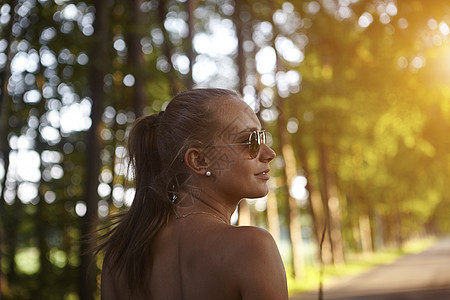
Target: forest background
{"points": [[354, 95]]}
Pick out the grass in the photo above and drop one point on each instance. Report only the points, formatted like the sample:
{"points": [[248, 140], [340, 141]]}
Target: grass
{"points": [[356, 263]]}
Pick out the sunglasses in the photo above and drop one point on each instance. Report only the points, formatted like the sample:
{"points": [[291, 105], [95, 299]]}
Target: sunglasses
{"points": [[256, 138]]}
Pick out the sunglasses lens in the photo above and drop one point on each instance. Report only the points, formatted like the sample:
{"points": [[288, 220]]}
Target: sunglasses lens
{"points": [[255, 144], [262, 136]]}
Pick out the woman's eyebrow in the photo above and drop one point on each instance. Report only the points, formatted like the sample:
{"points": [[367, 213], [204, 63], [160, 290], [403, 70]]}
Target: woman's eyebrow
{"points": [[250, 129]]}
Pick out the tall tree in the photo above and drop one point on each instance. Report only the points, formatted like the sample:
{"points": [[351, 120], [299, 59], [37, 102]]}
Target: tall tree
{"points": [[190, 8], [4, 126], [167, 48], [135, 55], [98, 57], [289, 171]]}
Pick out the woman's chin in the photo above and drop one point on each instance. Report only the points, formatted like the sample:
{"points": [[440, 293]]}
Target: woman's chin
{"points": [[259, 194]]}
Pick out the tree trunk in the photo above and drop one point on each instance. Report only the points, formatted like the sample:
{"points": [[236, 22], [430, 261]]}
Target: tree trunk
{"points": [[324, 192], [353, 222], [135, 56], [377, 229], [399, 238], [4, 108], [292, 213], [97, 73], [331, 206], [190, 6], [4, 129], [365, 233], [4, 155], [11, 239], [5, 74], [168, 48], [273, 220], [315, 211], [336, 224], [240, 45], [244, 216], [41, 233], [40, 220]]}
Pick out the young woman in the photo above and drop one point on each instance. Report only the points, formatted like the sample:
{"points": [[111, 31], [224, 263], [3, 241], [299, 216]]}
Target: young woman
{"points": [[192, 165]]}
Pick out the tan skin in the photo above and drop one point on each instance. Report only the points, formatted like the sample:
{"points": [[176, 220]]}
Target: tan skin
{"points": [[200, 255]]}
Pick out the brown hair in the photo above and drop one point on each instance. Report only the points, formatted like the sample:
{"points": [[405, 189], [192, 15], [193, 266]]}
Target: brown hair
{"points": [[156, 147]]}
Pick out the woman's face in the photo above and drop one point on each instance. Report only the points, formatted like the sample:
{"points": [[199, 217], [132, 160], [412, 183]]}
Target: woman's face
{"points": [[235, 173]]}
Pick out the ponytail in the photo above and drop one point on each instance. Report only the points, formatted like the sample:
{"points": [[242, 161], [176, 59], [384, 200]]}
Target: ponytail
{"points": [[129, 242], [143, 150]]}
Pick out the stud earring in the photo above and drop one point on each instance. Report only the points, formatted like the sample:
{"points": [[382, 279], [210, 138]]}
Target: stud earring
{"points": [[208, 173]]}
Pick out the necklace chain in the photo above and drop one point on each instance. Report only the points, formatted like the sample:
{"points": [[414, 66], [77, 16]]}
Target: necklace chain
{"points": [[199, 213]]}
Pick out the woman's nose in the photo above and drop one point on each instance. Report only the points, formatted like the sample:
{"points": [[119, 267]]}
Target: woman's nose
{"points": [[266, 153]]}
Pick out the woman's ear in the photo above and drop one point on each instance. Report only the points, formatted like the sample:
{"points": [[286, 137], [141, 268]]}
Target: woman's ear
{"points": [[196, 161]]}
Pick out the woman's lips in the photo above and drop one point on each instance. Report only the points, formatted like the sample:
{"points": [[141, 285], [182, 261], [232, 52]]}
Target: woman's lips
{"points": [[263, 175]]}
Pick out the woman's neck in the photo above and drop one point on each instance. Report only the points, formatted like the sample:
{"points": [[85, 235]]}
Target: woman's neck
{"points": [[198, 200]]}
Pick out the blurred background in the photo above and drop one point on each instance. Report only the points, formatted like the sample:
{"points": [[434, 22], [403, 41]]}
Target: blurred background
{"points": [[354, 94]]}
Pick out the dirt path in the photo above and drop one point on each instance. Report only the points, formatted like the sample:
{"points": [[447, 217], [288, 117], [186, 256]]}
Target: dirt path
{"points": [[422, 276]]}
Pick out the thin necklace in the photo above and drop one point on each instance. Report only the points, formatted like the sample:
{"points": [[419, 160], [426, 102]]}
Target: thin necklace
{"points": [[200, 213]]}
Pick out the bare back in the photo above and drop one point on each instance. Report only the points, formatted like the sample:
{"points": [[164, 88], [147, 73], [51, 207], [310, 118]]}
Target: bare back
{"points": [[198, 257]]}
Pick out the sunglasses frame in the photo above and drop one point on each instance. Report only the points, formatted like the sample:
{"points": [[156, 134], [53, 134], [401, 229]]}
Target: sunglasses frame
{"points": [[260, 139]]}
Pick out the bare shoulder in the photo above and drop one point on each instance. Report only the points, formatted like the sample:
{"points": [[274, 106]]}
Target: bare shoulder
{"points": [[254, 235], [256, 263], [248, 239]]}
